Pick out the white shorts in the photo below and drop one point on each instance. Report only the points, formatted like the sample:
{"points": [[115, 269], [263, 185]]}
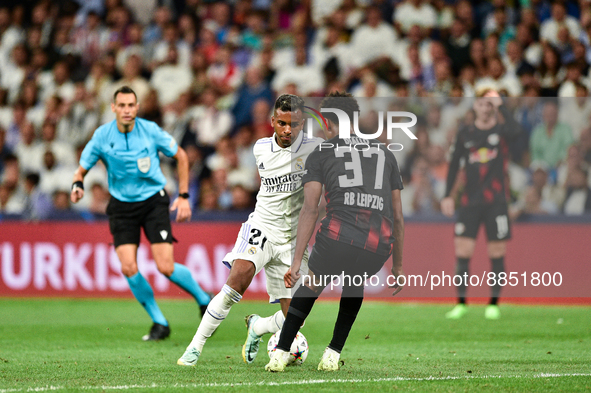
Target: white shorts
{"points": [[252, 245]]}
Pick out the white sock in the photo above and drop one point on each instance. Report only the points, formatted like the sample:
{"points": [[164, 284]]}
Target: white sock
{"points": [[217, 310], [271, 324]]}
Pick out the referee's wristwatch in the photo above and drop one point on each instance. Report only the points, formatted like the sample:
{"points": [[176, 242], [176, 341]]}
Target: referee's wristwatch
{"points": [[184, 195]]}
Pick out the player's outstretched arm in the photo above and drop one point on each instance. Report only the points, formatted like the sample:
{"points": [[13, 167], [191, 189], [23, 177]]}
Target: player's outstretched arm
{"points": [[306, 225], [399, 236], [182, 205], [78, 185]]}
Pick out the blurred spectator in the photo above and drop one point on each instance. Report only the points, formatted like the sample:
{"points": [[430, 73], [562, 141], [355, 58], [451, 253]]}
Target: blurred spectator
{"points": [[170, 79], [80, 118], [419, 150], [423, 199], [150, 108], [27, 149], [170, 39], [477, 58], [528, 114], [63, 151], [133, 48], [53, 175], [550, 73], [585, 143], [550, 139], [438, 167], [208, 200], [532, 49], [305, 76], [13, 70], [37, 204], [261, 119], [574, 161], [241, 199], [62, 208], [199, 69], [11, 195], [90, 39], [132, 77], [578, 194], [208, 123], [253, 89], [154, 31], [224, 75], [501, 26], [568, 87], [458, 46], [575, 112], [373, 39], [99, 199], [497, 79], [414, 12], [58, 83], [550, 28]]}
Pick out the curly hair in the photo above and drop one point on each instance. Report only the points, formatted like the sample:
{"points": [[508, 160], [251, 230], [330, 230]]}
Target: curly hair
{"points": [[339, 100]]}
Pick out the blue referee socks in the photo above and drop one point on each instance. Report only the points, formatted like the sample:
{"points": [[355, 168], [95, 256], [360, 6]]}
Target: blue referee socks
{"points": [[142, 291], [182, 277]]}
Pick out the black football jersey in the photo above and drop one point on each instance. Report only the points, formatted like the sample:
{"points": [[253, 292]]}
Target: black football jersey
{"points": [[358, 177], [486, 157]]}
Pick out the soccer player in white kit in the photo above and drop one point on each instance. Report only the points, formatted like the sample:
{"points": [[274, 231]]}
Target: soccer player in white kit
{"points": [[265, 239]]}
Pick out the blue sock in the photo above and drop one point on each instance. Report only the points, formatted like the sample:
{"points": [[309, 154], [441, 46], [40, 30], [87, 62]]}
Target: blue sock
{"points": [[182, 277], [142, 291]]}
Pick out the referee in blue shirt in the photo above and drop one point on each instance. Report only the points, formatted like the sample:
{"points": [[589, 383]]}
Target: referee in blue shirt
{"points": [[129, 147]]}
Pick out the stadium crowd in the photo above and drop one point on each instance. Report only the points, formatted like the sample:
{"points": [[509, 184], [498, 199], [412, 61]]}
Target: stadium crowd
{"points": [[208, 72]]}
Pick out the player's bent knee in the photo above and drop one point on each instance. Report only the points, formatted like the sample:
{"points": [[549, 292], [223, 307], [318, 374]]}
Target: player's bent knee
{"points": [[129, 270], [167, 269], [241, 275]]}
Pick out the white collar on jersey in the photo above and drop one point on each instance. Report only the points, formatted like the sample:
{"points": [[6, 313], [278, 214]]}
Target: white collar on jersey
{"points": [[295, 146]]}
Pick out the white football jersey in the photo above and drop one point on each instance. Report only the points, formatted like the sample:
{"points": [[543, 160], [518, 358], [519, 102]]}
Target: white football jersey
{"points": [[281, 195]]}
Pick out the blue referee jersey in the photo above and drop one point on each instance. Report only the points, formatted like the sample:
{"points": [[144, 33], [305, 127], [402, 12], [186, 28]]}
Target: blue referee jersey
{"points": [[132, 160]]}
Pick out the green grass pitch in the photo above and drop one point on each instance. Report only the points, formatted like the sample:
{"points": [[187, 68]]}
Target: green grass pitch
{"points": [[95, 346]]}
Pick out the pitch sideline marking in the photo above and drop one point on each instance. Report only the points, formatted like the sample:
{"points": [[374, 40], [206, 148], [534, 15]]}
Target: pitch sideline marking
{"points": [[304, 382]]}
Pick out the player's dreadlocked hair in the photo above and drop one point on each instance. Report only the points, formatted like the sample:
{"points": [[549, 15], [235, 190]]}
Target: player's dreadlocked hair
{"points": [[339, 100], [289, 103]]}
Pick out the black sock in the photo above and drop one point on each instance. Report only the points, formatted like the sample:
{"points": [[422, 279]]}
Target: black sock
{"points": [[348, 310], [462, 270], [301, 304], [498, 267]]}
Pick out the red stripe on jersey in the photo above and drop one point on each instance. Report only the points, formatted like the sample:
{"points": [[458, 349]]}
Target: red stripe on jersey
{"points": [[373, 239], [385, 231], [334, 228]]}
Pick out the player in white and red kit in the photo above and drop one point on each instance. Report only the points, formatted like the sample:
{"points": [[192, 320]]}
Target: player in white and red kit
{"points": [[265, 239]]}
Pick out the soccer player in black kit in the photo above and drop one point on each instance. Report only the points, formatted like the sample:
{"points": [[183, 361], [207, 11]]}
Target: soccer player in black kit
{"points": [[483, 146], [363, 226]]}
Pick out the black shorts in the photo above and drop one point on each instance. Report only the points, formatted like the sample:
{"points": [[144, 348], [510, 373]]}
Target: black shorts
{"points": [[494, 216], [126, 219], [331, 257]]}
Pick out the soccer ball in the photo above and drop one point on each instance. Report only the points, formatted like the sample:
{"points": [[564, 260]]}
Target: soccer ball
{"points": [[298, 351]]}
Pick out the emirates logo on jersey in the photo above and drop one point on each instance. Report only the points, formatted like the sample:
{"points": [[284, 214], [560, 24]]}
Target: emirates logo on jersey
{"points": [[285, 183]]}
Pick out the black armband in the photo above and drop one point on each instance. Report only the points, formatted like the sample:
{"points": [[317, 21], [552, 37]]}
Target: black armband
{"points": [[184, 195], [78, 184]]}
